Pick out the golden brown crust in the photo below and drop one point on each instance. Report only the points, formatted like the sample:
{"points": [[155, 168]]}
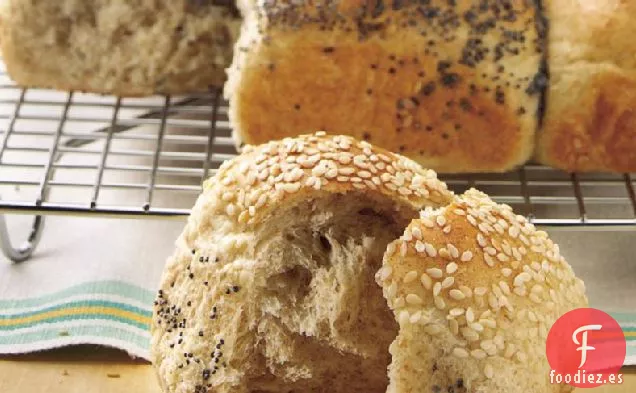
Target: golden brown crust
{"points": [[435, 82], [590, 122], [121, 48], [486, 287], [263, 177]]}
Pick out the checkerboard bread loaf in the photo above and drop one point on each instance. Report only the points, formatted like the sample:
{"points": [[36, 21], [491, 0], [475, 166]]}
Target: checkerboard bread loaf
{"points": [[590, 121], [454, 85], [288, 277], [127, 48]]}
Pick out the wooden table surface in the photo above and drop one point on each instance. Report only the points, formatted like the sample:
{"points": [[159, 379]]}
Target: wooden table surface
{"points": [[96, 370]]}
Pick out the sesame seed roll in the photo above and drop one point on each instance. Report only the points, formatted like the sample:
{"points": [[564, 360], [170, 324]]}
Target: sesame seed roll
{"points": [[475, 289], [283, 243]]}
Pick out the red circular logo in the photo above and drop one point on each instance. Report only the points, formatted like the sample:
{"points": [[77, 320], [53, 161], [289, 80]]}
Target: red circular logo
{"points": [[586, 348]]}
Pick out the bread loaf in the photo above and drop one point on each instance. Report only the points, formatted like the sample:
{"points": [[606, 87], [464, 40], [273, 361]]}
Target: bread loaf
{"points": [[273, 286], [454, 85], [127, 48], [590, 122]]}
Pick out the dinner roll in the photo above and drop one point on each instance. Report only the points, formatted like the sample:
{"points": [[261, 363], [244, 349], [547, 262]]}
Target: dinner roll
{"points": [[475, 290], [271, 287]]}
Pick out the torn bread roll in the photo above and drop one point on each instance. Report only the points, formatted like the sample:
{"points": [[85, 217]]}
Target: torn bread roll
{"points": [[475, 290], [271, 286], [127, 48], [454, 85]]}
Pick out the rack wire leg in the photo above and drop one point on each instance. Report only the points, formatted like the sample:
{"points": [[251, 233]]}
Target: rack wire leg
{"points": [[26, 249]]}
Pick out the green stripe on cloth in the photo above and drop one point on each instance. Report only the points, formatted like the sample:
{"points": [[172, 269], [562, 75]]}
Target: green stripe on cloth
{"points": [[76, 331], [111, 287], [81, 303]]}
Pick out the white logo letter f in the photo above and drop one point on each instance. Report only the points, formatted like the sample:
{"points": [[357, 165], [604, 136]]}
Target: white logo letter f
{"points": [[583, 344]]}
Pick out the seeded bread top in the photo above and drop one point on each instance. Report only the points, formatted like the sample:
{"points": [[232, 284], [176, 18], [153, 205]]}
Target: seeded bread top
{"points": [[277, 172]]}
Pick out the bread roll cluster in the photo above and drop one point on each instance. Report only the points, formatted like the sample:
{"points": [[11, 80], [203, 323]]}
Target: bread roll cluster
{"points": [[312, 264], [457, 85]]}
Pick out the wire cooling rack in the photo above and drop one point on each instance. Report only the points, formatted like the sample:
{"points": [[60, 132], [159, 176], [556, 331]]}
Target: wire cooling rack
{"points": [[83, 154]]}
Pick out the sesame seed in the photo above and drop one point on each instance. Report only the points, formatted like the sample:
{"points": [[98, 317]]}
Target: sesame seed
{"points": [[504, 287], [392, 290], [522, 278], [427, 282], [404, 317], [390, 249], [431, 251], [466, 256], [489, 261], [466, 290], [440, 303], [460, 353], [520, 291], [480, 291], [443, 252], [478, 354], [435, 272], [420, 247], [493, 302], [459, 212], [346, 171], [470, 315], [433, 329], [415, 318], [457, 294], [399, 302], [490, 323], [427, 222], [489, 347], [534, 298], [413, 299], [448, 282], [441, 220], [502, 257], [437, 288], [451, 268], [403, 249], [471, 220], [469, 334], [385, 273], [507, 272], [456, 312], [453, 250], [454, 326], [417, 233], [410, 276], [490, 251]]}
